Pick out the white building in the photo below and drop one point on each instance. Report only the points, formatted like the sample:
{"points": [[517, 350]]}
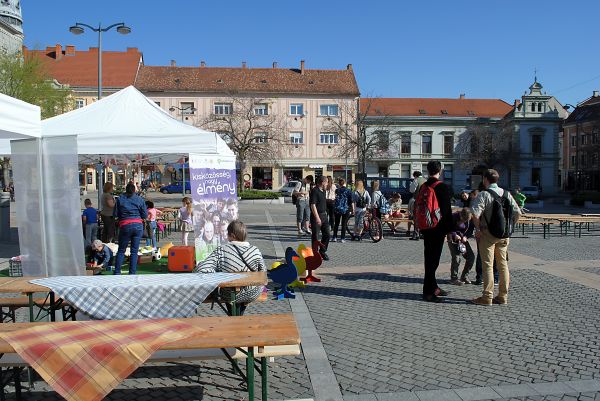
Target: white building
{"points": [[537, 122], [11, 26]]}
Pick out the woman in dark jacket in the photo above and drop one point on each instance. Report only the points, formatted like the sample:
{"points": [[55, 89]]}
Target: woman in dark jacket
{"points": [[131, 212]]}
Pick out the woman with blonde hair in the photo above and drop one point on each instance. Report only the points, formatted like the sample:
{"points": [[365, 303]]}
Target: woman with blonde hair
{"points": [[186, 220], [360, 200]]}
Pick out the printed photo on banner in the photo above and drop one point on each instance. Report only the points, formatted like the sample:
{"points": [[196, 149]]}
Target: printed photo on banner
{"points": [[215, 203]]}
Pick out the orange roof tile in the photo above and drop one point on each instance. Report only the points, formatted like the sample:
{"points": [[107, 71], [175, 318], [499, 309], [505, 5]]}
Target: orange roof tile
{"points": [[435, 107], [247, 80], [79, 68]]}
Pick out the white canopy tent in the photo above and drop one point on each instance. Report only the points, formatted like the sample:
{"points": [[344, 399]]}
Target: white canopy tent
{"points": [[45, 180], [127, 122]]}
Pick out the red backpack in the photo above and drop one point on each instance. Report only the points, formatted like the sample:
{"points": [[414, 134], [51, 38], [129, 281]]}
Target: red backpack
{"points": [[427, 209]]}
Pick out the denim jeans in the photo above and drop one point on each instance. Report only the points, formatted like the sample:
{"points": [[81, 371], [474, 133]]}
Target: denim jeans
{"points": [[129, 232], [152, 239], [91, 233]]}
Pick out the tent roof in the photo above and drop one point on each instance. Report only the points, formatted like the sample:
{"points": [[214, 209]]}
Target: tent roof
{"points": [[18, 120], [127, 122]]}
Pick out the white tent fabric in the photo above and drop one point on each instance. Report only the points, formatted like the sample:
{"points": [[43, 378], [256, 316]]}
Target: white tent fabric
{"points": [[127, 122], [18, 120]]}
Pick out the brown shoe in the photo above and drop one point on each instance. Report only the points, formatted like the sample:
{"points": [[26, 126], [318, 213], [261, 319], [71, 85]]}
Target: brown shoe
{"points": [[499, 301], [481, 301]]}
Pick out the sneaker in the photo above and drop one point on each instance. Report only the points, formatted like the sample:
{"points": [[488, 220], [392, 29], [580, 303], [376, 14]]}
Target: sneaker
{"points": [[481, 301], [343, 241], [300, 233], [308, 232], [465, 280], [495, 284], [324, 255], [456, 282], [432, 298], [334, 239], [477, 282], [441, 293], [499, 301]]}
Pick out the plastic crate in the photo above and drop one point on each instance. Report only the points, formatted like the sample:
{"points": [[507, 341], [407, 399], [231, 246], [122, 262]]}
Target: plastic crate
{"points": [[14, 268]]}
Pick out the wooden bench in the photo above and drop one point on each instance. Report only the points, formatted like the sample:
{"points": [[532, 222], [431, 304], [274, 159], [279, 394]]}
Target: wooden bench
{"points": [[9, 305], [245, 337]]}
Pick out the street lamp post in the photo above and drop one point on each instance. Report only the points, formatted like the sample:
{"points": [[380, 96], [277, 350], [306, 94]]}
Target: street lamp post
{"points": [[346, 155], [182, 109], [78, 29]]}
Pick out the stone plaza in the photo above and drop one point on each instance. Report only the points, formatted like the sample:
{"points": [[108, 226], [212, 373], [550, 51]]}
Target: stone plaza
{"points": [[367, 335]]}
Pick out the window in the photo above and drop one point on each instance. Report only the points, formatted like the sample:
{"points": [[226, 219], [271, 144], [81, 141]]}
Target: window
{"points": [[448, 145], [583, 160], [260, 137], [297, 138], [582, 140], [532, 106], [536, 144], [157, 103], [187, 108], [296, 109], [426, 145], [382, 171], [79, 103], [536, 176], [573, 141], [327, 138], [383, 140], [109, 177], [405, 144], [448, 173], [328, 110], [261, 109], [595, 159], [424, 170], [573, 161], [223, 108], [405, 171], [540, 107]]}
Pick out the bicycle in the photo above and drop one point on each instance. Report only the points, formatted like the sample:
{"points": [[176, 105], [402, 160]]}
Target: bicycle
{"points": [[371, 226]]}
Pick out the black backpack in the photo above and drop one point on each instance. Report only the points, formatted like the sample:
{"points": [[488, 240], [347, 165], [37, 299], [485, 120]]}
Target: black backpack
{"points": [[501, 224]]}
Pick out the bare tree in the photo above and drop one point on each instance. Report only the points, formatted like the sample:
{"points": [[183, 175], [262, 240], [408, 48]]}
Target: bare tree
{"points": [[487, 144], [250, 128], [364, 131]]}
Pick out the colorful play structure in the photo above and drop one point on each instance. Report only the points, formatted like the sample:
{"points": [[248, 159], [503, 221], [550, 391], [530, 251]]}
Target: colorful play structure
{"points": [[290, 273]]}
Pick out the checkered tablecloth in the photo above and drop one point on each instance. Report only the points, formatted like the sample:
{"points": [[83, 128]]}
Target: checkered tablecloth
{"points": [[84, 361], [148, 296]]}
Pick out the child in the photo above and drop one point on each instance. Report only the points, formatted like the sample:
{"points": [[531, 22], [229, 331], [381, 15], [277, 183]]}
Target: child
{"points": [[153, 213], [185, 217], [459, 246], [89, 218], [100, 257]]}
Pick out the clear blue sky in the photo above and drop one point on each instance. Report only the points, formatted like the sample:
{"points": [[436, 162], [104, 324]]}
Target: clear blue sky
{"points": [[399, 48]]}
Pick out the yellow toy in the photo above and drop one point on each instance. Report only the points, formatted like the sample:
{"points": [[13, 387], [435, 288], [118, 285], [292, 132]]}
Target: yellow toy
{"points": [[300, 264], [164, 250]]}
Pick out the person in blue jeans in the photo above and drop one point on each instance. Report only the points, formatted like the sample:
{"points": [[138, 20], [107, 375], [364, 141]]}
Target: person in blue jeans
{"points": [[131, 212]]}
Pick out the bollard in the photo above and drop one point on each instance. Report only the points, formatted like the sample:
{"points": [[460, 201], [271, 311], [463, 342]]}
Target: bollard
{"points": [[5, 216]]}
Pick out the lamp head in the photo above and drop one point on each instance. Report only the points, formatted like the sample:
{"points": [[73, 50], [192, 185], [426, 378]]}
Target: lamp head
{"points": [[124, 30], [76, 30], [171, 109]]}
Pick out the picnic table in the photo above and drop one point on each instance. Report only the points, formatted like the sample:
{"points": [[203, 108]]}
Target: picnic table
{"points": [[24, 286]]}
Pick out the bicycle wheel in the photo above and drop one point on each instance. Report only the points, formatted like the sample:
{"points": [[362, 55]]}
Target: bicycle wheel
{"points": [[375, 229], [350, 227]]}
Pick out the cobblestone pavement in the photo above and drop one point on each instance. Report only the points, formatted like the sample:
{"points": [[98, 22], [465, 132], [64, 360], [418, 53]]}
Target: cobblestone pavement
{"points": [[384, 343]]}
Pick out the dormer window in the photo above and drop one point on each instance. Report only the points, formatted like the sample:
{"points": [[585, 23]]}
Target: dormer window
{"points": [[444, 111], [422, 111]]}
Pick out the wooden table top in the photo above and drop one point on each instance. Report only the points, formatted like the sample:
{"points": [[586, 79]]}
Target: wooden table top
{"points": [[221, 332], [22, 284]]}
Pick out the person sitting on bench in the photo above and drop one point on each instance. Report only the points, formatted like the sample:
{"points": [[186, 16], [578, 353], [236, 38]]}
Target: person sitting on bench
{"points": [[234, 257]]}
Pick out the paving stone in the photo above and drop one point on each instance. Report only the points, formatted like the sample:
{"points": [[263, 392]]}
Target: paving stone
{"points": [[476, 393]]}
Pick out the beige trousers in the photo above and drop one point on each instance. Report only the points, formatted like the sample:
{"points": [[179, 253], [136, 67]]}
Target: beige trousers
{"points": [[491, 247]]}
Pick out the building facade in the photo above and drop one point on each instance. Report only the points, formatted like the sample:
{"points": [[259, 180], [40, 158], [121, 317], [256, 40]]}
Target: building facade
{"points": [[581, 147], [302, 105], [11, 26], [536, 122], [418, 130]]}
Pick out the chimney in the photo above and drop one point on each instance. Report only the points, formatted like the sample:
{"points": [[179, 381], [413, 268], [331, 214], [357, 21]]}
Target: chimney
{"points": [[243, 64], [274, 64], [173, 63], [461, 96], [58, 50], [517, 103], [349, 67], [202, 63], [70, 50], [595, 94], [302, 67]]}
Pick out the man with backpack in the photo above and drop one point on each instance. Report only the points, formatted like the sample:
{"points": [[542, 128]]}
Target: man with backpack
{"points": [[415, 185], [343, 210], [494, 214], [433, 217]]}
